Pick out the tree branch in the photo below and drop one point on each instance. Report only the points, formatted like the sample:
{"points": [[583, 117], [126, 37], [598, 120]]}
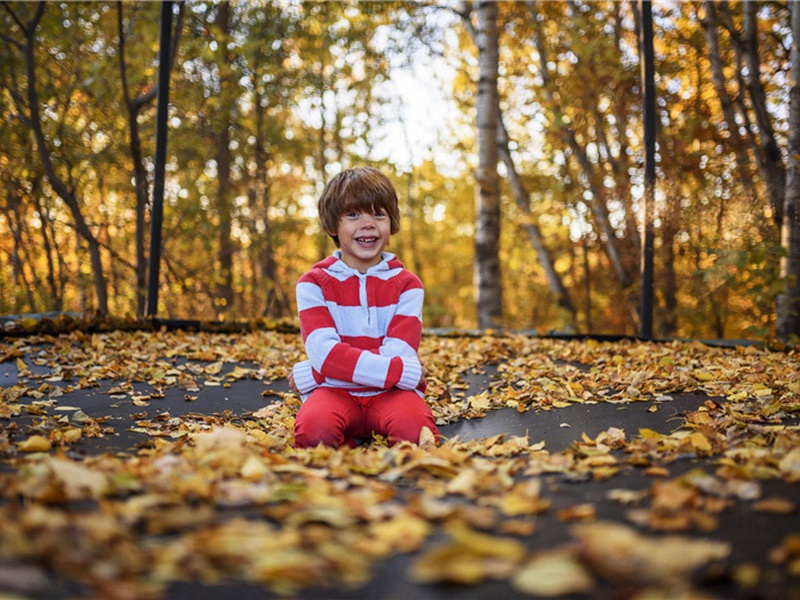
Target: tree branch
{"points": [[14, 16], [11, 41]]}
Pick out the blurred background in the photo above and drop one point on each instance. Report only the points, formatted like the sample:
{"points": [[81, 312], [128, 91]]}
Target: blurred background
{"points": [[270, 99]]}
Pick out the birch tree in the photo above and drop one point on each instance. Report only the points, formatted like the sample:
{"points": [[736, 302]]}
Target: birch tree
{"points": [[788, 322], [487, 209]]}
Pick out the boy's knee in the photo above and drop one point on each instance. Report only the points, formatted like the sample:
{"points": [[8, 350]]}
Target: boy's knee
{"points": [[314, 427], [409, 428], [313, 430], [309, 437]]}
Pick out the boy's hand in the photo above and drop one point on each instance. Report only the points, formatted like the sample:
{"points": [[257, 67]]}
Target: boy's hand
{"points": [[292, 384], [424, 374]]}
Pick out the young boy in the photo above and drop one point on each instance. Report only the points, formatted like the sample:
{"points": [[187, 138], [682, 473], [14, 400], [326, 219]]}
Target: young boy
{"points": [[361, 321]]}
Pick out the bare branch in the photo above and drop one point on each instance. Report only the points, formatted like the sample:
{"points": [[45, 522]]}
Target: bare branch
{"points": [[14, 16], [11, 41]]}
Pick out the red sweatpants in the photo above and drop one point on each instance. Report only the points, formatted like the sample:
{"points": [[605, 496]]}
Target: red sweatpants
{"points": [[334, 417]]}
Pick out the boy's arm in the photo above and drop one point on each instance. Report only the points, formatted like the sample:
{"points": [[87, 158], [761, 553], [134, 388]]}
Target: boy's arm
{"points": [[304, 378], [332, 358], [405, 328]]}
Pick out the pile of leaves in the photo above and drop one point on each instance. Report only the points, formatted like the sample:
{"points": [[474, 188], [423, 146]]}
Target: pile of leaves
{"points": [[226, 497]]}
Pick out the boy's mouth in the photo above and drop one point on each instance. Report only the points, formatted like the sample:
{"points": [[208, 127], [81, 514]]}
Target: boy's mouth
{"points": [[366, 240]]}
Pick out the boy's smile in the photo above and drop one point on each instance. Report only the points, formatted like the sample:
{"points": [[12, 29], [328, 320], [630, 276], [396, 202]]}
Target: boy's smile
{"points": [[362, 237]]}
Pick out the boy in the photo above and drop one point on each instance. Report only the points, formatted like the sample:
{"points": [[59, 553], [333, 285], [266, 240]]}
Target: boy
{"points": [[361, 321]]}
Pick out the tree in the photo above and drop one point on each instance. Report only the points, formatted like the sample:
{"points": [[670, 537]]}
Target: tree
{"points": [[31, 115], [134, 106], [788, 323], [521, 196], [488, 285]]}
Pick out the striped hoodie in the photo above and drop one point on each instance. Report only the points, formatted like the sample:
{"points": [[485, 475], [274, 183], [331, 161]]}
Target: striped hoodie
{"points": [[361, 330]]}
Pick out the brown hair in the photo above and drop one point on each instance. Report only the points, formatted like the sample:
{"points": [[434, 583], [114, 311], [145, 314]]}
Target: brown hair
{"points": [[359, 189]]}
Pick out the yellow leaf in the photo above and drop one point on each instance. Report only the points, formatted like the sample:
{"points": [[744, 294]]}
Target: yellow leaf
{"points": [[486, 545], [700, 443], [253, 468], [72, 434], [551, 574], [448, 563], [579, 512], [469, 558], [405, 533], [650, 434], [35, 443], [78, 480], [239, 372], [789, 465], [779, 506], [619, 553], [480, 402], [426, 438], [22, 368]]}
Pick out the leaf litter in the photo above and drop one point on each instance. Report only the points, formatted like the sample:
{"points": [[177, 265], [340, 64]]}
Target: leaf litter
{"points": [[226, 497]]}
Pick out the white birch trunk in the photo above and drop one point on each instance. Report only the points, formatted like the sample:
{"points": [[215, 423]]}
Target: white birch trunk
{"points": [[487, 211], [788, 321]]}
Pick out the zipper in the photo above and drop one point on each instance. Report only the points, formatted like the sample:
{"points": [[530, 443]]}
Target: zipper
{"points": [[362, 294]]}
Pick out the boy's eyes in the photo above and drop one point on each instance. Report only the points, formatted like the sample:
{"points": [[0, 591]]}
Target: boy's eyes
{"points": [[356, 214]]}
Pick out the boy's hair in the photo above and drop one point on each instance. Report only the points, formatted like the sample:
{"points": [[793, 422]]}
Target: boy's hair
{"points": [[359, 189]]}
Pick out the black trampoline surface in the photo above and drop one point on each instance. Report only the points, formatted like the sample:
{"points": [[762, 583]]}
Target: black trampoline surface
{"points": [[754, 535]]}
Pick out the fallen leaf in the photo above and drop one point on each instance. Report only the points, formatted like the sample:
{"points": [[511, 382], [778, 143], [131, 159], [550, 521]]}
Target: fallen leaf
{"points": [[35, 443], [551, 574], [620, 554], [774, 505]]}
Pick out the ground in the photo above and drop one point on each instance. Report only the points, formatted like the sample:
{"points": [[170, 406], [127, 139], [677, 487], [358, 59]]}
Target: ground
{"points": [[141, 464]]}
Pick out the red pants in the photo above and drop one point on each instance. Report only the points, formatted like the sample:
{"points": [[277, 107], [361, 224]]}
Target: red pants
{"points": [[334, 417]]}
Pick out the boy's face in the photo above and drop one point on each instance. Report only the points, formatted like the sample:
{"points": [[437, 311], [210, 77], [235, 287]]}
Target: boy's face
{"points": [[363, 234]]}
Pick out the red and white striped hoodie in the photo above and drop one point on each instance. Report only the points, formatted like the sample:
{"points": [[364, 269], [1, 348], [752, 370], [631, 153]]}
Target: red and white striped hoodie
{"points": [[361, 330]]}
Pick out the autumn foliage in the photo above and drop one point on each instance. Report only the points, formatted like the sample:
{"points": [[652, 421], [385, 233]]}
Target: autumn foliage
{"points": [[270, 99]]}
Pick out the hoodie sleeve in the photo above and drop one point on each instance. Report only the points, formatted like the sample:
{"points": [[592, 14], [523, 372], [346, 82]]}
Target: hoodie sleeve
{"points": [[306, 379], [405, 331]]}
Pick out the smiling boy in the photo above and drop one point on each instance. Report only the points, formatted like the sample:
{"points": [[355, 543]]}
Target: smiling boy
{"points": [[361, 320]]}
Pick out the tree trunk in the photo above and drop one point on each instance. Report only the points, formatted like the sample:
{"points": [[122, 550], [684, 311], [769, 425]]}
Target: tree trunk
{"points": [[222, 136], [788, 321], [16, 222], [139, 171], [773, 171], [668, 284], [134, 107], [761, 134], [66, 194], [275, 303], [522, 198], [535, 236], [597, 203], [487, 230], [55, 301], [710, 27], [587, 285]]}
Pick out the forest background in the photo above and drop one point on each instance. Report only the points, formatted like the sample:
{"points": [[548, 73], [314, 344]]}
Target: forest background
{"points": [[269, 99]]}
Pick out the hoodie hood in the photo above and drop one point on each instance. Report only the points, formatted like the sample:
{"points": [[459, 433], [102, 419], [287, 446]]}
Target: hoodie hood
{"points": [[334, 265]]}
